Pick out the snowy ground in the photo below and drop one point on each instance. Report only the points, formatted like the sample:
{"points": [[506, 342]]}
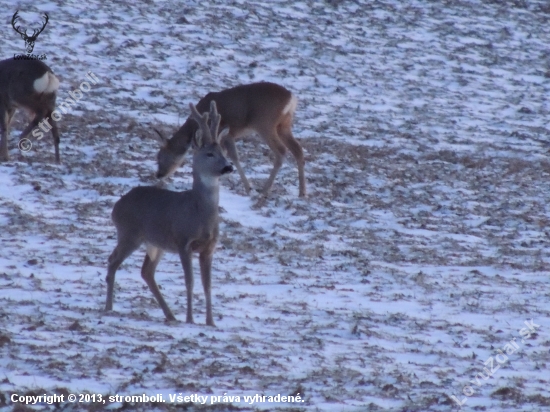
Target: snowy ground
{"points": [[421, 250]]}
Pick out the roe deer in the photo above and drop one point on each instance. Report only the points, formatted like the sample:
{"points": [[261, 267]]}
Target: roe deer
{"points": [[265, 108], [180, 222], [29, 84]]}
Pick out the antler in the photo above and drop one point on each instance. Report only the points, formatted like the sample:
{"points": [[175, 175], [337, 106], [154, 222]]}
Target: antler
{"points": [[208, 133], [215, 120], [38, 31], [13, 21]]}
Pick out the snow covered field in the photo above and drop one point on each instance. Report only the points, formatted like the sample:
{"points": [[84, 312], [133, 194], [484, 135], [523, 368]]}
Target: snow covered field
{"points": [[421, 251]]}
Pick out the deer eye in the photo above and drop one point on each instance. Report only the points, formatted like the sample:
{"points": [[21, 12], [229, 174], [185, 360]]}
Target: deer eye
{"points": [[210, 154]]}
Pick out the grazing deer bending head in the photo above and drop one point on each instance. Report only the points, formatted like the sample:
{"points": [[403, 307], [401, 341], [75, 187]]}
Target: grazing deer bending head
{"points": [[265, 108], [32, 85], [29, 40], [182, 223]]}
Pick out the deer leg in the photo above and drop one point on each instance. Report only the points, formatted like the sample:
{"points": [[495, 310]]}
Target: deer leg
{"points": [[121, 252], [292, 144], [55, 135], [279, 150], [228, 144], [205, 260], [186, 257], [152, 258], [4, 133], [35, 122], [11, 113]]}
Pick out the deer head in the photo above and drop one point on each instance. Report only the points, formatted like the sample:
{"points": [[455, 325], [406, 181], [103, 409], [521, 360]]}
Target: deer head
{"points": [[29, 40]]}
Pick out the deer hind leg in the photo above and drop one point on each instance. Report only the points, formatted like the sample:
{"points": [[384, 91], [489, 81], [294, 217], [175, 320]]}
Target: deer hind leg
{"points": [[285, 133], [152, 258], [38, 117], [50, 104], [279, 150], [119, 255], [55, 135]]}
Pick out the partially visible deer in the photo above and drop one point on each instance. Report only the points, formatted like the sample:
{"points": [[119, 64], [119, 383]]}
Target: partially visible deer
{"points": [[265, 108], [29, 84], [179, 222]]}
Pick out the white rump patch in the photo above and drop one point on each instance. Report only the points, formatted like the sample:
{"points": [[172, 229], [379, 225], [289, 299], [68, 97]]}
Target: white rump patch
{"points": [[291, 105], [47, 83], [222, 134]]}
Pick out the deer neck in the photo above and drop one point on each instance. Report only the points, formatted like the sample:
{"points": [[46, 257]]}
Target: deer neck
{"points": [[181, 140], [207, 187]]}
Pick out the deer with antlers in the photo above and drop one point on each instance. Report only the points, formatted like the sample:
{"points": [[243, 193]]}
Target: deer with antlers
{"points": [[183, 223], [265, 108], [29, 40]]}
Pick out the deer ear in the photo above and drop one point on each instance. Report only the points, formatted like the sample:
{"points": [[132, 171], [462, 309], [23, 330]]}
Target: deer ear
{"points": [[222, 134], [160, 138], [197, 140]]}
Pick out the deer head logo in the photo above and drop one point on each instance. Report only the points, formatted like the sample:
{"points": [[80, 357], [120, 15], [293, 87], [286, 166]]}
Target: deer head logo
{"points": [[29, 40]]}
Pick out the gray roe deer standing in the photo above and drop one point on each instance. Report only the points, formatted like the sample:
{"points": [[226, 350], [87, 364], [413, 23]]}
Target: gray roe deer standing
{"points": [[179, 222], [29, 84], [265, 108]]}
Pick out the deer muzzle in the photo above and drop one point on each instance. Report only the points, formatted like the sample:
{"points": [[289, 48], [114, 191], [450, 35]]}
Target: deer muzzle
{"points": [[227, 169]]}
